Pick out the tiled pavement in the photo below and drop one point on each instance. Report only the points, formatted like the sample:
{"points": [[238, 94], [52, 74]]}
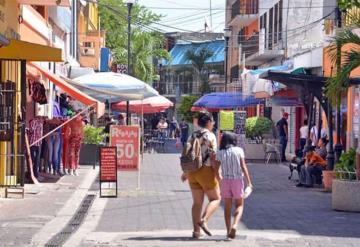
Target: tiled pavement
{"points": [[277, 214]]}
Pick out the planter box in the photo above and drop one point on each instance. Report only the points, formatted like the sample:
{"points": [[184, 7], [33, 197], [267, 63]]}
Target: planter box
{"points": [[346, 195], [254, 152], [89, 154]]}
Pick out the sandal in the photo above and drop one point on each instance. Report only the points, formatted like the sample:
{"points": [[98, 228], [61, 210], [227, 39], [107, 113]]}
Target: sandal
{"points": [[204, 227], [196, 235], [232, 233]]}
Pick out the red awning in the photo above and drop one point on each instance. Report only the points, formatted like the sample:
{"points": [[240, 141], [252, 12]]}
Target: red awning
{"points": [[72, 91]]}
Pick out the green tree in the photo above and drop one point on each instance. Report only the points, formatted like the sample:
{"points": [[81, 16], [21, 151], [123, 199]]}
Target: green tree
{"points": [[185, 107], [349, 60], [145, 43], [198, 60], [348, 4]]}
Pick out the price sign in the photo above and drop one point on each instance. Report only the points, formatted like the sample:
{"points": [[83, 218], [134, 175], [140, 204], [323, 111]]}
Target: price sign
{"points": [[240, 130], [126, 139], [108, 172]]}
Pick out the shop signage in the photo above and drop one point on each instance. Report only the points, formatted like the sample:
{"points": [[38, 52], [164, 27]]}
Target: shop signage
{"points": [[226, 120], [127, 141], [119, 68], [108, 172], [240, 129]]}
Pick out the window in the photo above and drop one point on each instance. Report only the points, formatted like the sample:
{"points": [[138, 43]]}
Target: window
{"points": [[271, 29], [276, 23], [280, 19], [88, 44]]}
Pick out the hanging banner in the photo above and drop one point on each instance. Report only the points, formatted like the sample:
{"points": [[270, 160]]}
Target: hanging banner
{"points": [[127, 141], [226, 120], [108, 172]]}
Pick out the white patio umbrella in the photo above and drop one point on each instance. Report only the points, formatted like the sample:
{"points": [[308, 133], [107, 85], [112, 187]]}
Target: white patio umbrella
{"points": [[113, 86]]}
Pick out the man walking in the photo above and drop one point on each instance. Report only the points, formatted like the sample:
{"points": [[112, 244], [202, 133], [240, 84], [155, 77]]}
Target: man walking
{"points": [[282, 127]]}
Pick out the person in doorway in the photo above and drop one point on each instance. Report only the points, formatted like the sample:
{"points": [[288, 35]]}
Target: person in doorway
{"points": [[75, 139], [233, 168], [184, 132], [282, 127], [203, 181], [314, 165], [304, 130], [314, 134]]}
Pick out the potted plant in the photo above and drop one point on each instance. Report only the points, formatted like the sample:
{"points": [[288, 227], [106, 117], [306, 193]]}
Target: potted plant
{"points": [[256, 128], [93, 138], [346, 187]]}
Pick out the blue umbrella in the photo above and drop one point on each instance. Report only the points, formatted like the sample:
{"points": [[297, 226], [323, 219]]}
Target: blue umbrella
{"points": [[227, 100]]}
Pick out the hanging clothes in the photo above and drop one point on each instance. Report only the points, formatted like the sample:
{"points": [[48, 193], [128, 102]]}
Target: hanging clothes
{"points": [[35, 133]]}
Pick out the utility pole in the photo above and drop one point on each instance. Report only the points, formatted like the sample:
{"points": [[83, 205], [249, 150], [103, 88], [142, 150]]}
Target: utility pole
{"points": [[211, 23], [338, 145]]}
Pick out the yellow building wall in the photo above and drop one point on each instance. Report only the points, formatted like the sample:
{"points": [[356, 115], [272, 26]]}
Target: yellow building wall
{"points": [[9, 27], [93, 22]]}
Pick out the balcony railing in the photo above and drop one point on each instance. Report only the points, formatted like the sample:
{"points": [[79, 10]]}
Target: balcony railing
{"points": [[244, 7], [250, 46]]}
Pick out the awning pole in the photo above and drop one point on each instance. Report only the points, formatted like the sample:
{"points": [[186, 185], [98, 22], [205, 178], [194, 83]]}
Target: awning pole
{"points": [[142, 143]]}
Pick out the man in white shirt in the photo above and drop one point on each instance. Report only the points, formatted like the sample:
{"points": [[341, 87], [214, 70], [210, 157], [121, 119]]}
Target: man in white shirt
{"points": [[314, 133], [304, 131]]}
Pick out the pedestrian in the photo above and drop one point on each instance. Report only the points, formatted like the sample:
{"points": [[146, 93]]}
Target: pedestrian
{"points": [[231, 159], [173, 127], [203, 181], [314, 134], [304, 131], [282, 127], [184, 132], [162, 127]]}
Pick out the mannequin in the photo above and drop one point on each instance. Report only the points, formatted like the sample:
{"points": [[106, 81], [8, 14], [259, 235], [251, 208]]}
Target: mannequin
{"points": [[35, 133], [76, 136]]}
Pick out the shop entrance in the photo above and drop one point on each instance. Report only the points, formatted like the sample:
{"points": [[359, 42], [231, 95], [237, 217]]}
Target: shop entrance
{"points": [[12, 127]]}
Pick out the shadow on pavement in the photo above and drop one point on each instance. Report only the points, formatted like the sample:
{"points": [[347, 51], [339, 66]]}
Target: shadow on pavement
{"points": [[176, 239]]}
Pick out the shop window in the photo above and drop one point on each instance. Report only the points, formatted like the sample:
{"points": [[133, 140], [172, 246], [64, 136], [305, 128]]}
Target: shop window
{"points": [[7, 110]]}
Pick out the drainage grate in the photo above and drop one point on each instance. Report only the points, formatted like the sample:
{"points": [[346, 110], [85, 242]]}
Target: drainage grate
{"points": [[75, 222]]}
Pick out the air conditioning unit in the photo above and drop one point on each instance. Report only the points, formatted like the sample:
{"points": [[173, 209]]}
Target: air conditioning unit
{"points": [[87, 51]]}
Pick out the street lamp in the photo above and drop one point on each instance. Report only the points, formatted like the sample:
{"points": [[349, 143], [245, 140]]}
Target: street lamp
{"points": [[129, 4], [227, 35]]}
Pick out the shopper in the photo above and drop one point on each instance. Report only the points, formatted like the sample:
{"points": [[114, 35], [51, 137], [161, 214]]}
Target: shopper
{"points": [[282, 127], [184, 132], [233, 169], [304, 131], [203, 181]]}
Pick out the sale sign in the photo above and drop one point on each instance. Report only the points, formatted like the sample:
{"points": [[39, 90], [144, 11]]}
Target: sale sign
{"points": [[127, 141], [108, 172], [108, 166]]}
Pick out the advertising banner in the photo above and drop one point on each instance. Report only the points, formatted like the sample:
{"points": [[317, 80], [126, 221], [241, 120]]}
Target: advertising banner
{"points": [[226, 120], [127, 141], [108, 172]]}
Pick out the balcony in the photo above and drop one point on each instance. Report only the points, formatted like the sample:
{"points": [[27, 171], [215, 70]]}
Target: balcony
{"points": [[244, 12], [263, 54]]}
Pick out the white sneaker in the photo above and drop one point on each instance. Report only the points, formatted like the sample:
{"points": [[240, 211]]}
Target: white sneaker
{"points": [[65, 172], [71, 173], [75, 173]]}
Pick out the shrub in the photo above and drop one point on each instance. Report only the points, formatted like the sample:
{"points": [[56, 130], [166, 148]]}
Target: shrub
{"points": [[256, 127], [345, 168], [185, 107], [93, 135]]}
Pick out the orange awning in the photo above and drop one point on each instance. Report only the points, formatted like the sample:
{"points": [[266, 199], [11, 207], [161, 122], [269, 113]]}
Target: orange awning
{"points": [[72, 91], [62, 3]]}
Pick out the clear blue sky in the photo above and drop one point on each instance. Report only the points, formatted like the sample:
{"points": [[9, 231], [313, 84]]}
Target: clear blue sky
{"points": [[187, 14]]}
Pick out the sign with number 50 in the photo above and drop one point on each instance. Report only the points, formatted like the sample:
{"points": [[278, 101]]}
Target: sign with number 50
{"points": [[127, 141]]}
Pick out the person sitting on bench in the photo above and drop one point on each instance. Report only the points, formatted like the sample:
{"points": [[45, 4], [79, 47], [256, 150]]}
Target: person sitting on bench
{"points": [[314, 165]]}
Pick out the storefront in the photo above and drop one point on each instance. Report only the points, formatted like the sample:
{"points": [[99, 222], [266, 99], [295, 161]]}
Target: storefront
{"points": [[13, 56]]}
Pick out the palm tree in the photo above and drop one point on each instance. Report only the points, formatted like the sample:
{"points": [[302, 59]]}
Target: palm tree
{"points": [[198, 60], [349, 60]]}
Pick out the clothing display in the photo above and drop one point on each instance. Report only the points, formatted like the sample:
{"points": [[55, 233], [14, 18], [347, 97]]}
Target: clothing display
{"points": [[39, 93], [74, 149], [35, 133], [65, 146]]}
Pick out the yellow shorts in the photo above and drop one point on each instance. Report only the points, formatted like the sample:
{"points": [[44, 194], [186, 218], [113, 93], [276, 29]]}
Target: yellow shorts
{"points": [[204, 179]]}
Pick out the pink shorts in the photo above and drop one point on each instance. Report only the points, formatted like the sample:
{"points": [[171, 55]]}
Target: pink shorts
{"points": [[232, 188]]}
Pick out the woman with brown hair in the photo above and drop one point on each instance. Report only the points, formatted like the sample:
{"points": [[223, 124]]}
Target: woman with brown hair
{"points": [[203, 181]]}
